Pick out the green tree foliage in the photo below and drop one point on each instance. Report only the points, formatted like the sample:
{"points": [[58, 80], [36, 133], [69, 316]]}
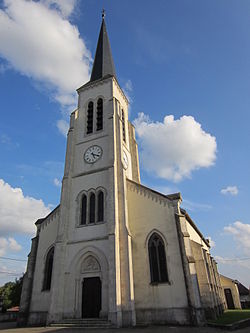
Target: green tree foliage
{"points": [[11, 293]]}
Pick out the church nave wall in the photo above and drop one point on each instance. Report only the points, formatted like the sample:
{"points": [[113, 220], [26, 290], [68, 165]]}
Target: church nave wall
{"points": [[159, 302], [40, 300]]}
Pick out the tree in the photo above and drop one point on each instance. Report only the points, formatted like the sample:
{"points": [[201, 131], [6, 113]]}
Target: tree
{"points": [[11, 293]]}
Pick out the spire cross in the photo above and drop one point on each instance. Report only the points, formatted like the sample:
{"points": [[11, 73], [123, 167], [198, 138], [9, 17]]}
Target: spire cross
{"points": [[103, 13]]}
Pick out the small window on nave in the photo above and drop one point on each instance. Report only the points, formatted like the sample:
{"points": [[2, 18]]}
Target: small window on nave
{"points": [[48, 269], [99, 115], [157, 259], [90, 117]]}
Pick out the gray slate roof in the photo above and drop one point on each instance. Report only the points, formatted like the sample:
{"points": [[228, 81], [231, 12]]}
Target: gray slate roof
{"points": [[103, 63]]}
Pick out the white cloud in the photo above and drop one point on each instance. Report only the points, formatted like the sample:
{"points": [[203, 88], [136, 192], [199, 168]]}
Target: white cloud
{"points": [[66, 7], [7, 142], [13, 245], [18, 212], [241, 234], [211, 242], [3, 245], [195, 206], [128, 89], [4, 68], [11, 271], [244, 262], [172, 149], [164, 189], [9, 244], [233, 190], [38, 41], [236, 264], [234, 268], [63, 127], [57, 182], [5, 139]]}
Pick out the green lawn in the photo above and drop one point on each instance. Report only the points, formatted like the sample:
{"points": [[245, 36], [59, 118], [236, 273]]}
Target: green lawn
{"points": [[231, 316]]}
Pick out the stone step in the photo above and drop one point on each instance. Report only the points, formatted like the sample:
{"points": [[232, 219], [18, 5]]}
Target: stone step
{"points": [[96, 320], [83, 323]]}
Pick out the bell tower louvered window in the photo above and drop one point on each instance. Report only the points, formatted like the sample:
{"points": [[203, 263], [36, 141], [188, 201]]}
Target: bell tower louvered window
{"points": [[48, 269], [92, 208], [90, 118], [99, 115], [84, 209], [157, 259], [123, 127]]}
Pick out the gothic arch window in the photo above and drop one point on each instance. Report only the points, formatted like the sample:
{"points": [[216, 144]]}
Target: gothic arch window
{"points": [[123, 127], [100, 206], [83, 209], [48, 269], [157, 259], [92, 208], [99, 115], [90, 118]]}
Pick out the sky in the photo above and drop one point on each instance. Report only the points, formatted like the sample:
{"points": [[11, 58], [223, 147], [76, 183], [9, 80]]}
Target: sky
{"points": [[185, 68]]}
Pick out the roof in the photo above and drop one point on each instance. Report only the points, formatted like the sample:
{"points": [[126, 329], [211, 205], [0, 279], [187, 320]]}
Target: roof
{"points": [[174, 196], [39, 221], [183, 211], [242, 289], [103, 63], [228, 278]]}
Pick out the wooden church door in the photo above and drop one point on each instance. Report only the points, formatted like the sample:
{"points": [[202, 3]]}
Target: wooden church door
{"points": [[91, 297]]}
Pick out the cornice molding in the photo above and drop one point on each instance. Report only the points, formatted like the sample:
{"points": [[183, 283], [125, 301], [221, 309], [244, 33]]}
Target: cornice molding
{"points": [[140, 189], [42, 223], [91, 85]]}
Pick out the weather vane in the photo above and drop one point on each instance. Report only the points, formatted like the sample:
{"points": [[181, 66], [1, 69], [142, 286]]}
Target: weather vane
{"points": [[103, 13]]}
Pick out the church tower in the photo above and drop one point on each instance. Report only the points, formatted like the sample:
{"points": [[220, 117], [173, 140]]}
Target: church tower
{"points": [[93, 228], [114, 249]]}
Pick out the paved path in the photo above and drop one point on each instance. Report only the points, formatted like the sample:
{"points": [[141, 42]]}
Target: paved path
{"points": [[10, 328]]}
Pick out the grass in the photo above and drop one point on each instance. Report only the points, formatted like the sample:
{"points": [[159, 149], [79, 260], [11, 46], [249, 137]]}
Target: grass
{"points": [[232, 316]]}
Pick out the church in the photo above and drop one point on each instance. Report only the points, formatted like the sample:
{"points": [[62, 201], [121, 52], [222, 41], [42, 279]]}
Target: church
{"points": [[114, 251]]}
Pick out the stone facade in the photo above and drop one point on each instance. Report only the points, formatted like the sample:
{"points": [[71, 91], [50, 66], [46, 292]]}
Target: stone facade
{"points": [[114, 251]]}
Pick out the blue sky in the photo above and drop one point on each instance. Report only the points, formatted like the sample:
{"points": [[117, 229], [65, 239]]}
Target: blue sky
{"points": [[186, 59]]}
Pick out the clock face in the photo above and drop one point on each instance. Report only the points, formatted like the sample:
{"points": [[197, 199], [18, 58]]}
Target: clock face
{"points": [[92, 154], [125, 160]]}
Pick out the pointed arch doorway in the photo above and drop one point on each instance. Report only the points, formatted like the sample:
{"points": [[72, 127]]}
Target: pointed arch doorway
{"points": [[91, 288], [91, 297]]}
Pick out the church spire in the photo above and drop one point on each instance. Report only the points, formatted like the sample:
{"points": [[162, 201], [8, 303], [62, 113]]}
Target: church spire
{"points": [[103, 63]]}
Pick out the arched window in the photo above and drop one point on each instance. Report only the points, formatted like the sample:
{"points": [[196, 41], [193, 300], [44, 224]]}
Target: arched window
{"points": [[48, 269], [123, 127], [90, 118], [157, 259], [92, 208], [84, 209], [100, 207], [99, 115]]}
